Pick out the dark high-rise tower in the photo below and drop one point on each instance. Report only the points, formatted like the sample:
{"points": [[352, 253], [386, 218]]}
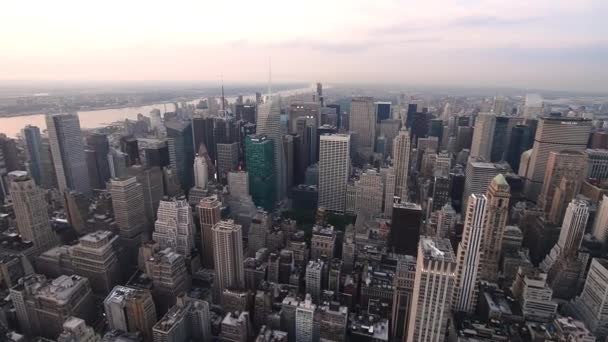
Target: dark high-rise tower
{"points": [[259, 151], [33, 142], [97, 160]]}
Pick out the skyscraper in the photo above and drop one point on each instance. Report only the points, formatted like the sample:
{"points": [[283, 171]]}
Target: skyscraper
{"points": [[67, 149], [334, 165], [181, 151], [479, 175], [483, 133], [97, 153], [209, 214], [259, 151], [497, 213], [269, 124], [369, 193], [405, 227], [600, 225], [597, 164], [95, 257], [174, 227], [401, 157], [553, 134], [591, 306], [130, 310], [571, 165], [228, 255], [405, 276], [227, 159], [33, 146], [433, 291], [201, 172], [129, 211], [362, 121], [383, 111], [469, 250]]}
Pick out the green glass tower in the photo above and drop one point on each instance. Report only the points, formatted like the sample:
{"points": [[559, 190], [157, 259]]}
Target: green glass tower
{"points": [[259, 154]]}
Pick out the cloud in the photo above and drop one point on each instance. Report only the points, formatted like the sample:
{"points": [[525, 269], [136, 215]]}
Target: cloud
{"points": [[490, 21]]}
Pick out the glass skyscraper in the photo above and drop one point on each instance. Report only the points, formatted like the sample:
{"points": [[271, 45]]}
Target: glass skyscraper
{"points": [[259, 151]]}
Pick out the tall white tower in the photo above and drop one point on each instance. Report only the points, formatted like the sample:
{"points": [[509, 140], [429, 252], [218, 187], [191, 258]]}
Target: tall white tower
{"points": [[228, 255], [334, 164], [174, 227], [401, 155], [201, 172]]}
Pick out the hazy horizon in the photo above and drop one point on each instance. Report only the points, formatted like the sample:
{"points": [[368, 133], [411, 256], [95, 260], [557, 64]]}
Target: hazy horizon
{"points": [[553, 45]]}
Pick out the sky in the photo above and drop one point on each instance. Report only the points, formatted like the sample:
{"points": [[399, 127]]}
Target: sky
{"points": [[546, 44]]}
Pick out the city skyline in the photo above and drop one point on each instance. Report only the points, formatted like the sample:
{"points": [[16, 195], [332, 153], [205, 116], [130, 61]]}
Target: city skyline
{"points": [[540, 44]]}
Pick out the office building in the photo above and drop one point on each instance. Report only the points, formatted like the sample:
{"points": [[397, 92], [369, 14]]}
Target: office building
{"points": [[42, 306], [334, 165], [571, 165], [479, 175], [469, 254], [483, 134], [201, 172], [333, 319], [434, 285], [314, 279], [131, 310], [174, 326], [259, 227], [304, 320], [600, 225], [405, 228], [269, 124], [259, 151], [446, 222], [167, 270], [129, 212], [522, 139], [76, 329], [388, 183], [174, 227], [33, 148], [441, 192], [238, 184], [31, 213], [235, 327], [363, 123], [404, 279], [227, 159], [497, 207], [554, 134], [228, 255], [151, 180], [531, 290], [67, 148], [401, 157], [209, 214], [181, 151], [533, 106], [95, 257], [97, 152], [369, 193], [591, 306], [383, 111], [597, 164]]}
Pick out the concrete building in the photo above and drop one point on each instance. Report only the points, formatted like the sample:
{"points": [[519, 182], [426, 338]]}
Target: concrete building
{"points": [[304, 319], [597, 163], [531, 290], [174, 226], [334, 165], [151, 180], [591, 306], [201, 172], [323, 242], [31, 213], [95, 257], [129, 212], [401, 157], [258, 229], [363, 122], [469, 254], [446, 221], [433, 291], [167, 270], [369, 193], [497, 207], [209, 214], [238, 184], [332, 319], [235, 327], [227, 159], [479, 175], [67, 148], [42, 306], [388, 183], [483, 133], [131, 310], [228, 255], [553, 134], [600, 225], [269, 124], [174, 326], [314, 279], [76, 330], [404, 279]]}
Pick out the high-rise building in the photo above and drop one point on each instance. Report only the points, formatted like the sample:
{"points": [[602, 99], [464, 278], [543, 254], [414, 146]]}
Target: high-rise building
{"points": [[446, 221], [479, 175], [31, 213], [269, 124], [67, 148], [441, 192], [600, 225], [388, 183], [533, 106], [174, 227], [597, 164], [151, 180], [553, 134], [591, 306], [97, 157], [167, 270], [383, 111], [522, 139], [202, 131], [260, 224], [497, 207], [433, 291], [405, 276], [181, 151], [238, 184], [227, 159], [314, 279], [531, 290], [369, 193], [199, 316], [129, 212], [469, 254], [401, 157], [95, 257], [235, 327], [209, 214], [362, 121], [228, 255], [131, 310], [174, 326], [405, 227], [304, 319], [42, 306], [483, 134], [76, 329], [201, 172], [33, 148], [334, 165], [259, 152], [571, 165]]}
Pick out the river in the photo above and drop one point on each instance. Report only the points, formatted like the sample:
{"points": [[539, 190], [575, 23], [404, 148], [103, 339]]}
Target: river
{"points": [[12, 126]]}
